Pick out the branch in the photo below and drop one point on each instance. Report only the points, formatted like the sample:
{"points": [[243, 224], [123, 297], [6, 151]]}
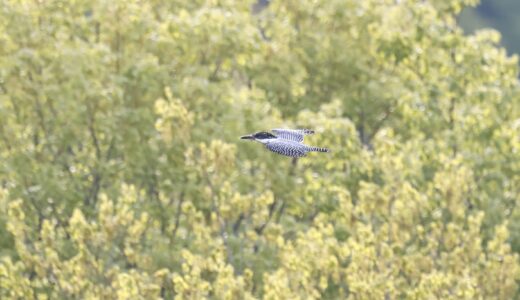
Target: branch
{"points": [[213, 75], [452, 125], [94, 138], [94, 189], [259, 230], [388, 111], [178, 214], [361, 129], [280, 212], [110, 149], [237, 224]]}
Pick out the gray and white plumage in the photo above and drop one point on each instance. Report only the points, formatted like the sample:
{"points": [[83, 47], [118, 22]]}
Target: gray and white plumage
{"points": [[288, 142], [292, 134]]}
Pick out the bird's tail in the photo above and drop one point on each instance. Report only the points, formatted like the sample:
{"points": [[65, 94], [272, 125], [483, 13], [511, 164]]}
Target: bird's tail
{"points": [[319, 149]]}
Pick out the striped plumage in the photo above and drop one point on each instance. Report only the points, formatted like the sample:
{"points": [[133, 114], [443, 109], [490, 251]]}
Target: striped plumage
{"points": [[286, 142], [292, 134]]}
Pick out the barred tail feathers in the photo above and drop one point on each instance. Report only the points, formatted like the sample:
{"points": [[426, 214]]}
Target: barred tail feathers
{"points": [[319, 149]]}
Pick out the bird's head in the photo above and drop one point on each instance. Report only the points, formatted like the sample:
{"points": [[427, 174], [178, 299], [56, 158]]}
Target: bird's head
{"points": [[259, 136]]}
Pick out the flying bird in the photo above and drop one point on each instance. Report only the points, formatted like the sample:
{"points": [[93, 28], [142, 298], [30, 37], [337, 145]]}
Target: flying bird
{"points": [[288, 142]]}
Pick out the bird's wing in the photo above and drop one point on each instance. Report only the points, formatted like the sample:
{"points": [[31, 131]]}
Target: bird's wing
{"points": [[286, 148], [292, 134]]}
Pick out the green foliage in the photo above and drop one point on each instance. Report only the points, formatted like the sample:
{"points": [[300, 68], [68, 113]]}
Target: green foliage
{"points": [[123, 177]]}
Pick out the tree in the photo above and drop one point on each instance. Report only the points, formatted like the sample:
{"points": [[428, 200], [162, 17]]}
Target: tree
{"points": [[123, 175]]}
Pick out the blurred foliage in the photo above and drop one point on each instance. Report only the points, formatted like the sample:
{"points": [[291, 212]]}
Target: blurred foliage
{"points": [[501, 15], [123, 177]]}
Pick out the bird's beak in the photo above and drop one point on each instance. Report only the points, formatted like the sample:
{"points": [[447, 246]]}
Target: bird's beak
{"points": [[247, 137]]}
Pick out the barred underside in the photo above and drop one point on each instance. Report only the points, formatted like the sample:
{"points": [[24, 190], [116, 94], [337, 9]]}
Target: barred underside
{"points": [[319, 149], [291, 148]]}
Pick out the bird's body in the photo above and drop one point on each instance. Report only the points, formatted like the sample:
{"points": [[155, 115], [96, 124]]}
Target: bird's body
{"points": [[286, 142]]}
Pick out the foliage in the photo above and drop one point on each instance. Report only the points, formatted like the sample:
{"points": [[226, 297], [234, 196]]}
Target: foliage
{"points": [[123, 176]]}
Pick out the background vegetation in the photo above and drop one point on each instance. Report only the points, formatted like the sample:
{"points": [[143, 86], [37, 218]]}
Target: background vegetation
{"points": [[122, 175]]}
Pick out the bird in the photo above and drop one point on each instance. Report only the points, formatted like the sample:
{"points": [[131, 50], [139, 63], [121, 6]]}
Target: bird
{"points": [[288, 142]]}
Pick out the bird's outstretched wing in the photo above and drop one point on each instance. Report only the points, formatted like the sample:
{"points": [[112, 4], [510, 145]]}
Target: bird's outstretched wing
{"points": [[292, 134], [286, 148]]}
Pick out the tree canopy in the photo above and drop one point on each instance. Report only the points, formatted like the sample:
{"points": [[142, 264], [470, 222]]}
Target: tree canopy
{"points": [[122, 175]]}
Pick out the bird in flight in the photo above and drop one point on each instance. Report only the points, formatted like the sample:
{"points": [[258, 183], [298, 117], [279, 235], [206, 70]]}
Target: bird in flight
{"points": [[288, 142]]}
